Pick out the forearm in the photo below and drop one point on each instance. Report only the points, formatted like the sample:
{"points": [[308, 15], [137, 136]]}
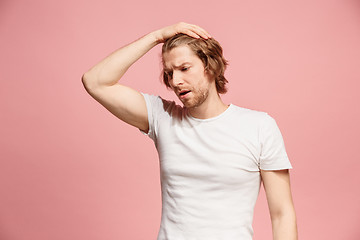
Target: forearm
{"points": [[284, 227], [109, 70]]}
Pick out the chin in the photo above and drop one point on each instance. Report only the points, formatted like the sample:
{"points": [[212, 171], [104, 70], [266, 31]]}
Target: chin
{"points": [[192, 104], [196, 101]]}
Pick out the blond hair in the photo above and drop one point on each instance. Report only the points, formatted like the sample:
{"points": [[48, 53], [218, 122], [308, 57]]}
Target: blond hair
{"points": [[208, 50]]}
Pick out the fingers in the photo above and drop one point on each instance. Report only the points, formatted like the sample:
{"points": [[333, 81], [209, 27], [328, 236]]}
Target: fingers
{"points": [[192, 33], [200, 31], [193, 30]]}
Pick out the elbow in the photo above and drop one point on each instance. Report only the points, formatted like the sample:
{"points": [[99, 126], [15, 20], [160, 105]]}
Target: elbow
{"points": [[287, 213], [87, 81], [85, 78], [285, 226]]}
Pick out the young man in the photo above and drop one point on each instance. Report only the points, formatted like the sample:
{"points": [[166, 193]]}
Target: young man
{"points": [[213, 156]]}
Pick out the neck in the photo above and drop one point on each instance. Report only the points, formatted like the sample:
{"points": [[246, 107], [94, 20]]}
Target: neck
{"points": [[211, 107]]}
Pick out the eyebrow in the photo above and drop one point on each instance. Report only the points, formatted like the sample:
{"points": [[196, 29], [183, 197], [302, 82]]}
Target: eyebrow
{"points": [[185, 63]]}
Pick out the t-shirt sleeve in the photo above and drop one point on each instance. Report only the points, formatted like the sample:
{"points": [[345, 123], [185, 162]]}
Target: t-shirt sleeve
{"points": [[273, 155], [154, 106]]}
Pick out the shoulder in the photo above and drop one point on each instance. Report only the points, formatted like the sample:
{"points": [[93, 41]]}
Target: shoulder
{"points": [[254, 116], [159, 104]]}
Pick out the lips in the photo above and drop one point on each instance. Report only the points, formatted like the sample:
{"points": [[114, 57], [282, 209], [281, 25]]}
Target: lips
{"points": [[183, 93]]}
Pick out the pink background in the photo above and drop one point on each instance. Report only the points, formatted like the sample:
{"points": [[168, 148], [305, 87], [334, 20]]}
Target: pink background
{"points": [[71, 170]]}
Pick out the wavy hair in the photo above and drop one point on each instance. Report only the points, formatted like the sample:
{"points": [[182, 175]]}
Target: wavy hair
{"points": [[208, 50]]}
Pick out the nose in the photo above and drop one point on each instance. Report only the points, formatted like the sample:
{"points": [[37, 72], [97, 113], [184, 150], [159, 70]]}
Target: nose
{"points": [[176, 79]]}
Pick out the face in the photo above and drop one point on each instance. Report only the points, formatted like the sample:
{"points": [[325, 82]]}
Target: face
{"points": [[187, 76]]}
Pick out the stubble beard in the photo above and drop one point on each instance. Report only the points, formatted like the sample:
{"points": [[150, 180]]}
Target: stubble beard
{"points": [[198, 99]]}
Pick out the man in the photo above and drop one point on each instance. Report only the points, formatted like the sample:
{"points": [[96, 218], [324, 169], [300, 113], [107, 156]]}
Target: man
{"points": [[212, 155]]}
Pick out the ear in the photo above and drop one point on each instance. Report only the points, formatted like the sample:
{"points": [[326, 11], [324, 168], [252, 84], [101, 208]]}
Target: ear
{"points": [[206, 71]]}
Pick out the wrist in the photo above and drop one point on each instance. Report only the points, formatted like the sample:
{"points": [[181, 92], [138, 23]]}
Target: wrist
{"points": [[155, 36]]}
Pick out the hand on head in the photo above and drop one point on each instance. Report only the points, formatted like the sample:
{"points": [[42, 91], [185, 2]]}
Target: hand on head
{"points": [[181, 27]]}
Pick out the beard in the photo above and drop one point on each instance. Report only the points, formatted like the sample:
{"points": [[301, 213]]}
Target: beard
{"points": [[197, 99]]}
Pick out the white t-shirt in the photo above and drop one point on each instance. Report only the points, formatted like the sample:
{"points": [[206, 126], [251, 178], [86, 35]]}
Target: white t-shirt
{"points": [[210, 168]]}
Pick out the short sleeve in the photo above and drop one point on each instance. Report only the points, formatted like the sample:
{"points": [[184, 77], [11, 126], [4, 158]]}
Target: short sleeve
{"points": [[154, 104], [273, 155]]}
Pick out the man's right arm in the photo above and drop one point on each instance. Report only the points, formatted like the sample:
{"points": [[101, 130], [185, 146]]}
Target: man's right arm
{"points": [[101, 81]]}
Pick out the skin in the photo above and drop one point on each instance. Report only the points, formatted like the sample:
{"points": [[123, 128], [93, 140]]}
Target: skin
{"points": [[187, 73], [280, 203], [101, 82]]}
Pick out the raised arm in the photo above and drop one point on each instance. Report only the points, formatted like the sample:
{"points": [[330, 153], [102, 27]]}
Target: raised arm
{"points": [[101, 81], [281, 207]]}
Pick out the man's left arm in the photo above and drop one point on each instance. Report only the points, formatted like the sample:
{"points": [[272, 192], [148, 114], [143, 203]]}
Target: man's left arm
{"points": [[281, 207]]}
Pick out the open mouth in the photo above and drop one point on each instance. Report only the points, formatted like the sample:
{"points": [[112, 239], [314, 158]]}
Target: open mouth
{"points": [[184, 93]]}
